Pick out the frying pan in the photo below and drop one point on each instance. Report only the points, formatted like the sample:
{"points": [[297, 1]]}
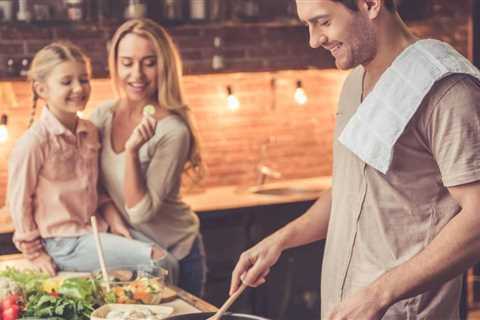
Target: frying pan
{"points": [[206, 315]]}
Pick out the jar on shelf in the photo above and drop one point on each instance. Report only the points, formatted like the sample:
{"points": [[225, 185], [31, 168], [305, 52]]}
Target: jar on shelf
{"points": [[172, 10], [6, 10], [198, 10], [23, 13], [135, 9], [75, 10]]}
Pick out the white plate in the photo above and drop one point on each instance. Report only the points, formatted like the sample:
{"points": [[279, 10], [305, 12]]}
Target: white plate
{"points": [[102, 312]]}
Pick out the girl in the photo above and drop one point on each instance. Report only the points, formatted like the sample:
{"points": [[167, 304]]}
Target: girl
{"points": [[144, 156], [52, 183]]}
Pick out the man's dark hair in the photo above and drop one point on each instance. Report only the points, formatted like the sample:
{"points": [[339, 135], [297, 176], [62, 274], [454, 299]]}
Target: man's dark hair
{"points": [[352, 4]]}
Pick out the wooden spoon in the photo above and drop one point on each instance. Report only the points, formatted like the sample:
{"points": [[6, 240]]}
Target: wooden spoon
{"points": [[228, 303]]}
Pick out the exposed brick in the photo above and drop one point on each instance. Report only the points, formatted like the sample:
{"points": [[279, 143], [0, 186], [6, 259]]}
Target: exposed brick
{"points": [[11, 48]]}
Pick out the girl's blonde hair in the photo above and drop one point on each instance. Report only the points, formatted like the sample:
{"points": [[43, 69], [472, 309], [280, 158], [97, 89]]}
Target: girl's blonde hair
{"points": [[169, 93], [47, 59]]}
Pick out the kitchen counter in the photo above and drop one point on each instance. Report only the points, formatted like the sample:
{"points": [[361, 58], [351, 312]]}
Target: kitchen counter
{"points": [[184, 303], [230, 197]]}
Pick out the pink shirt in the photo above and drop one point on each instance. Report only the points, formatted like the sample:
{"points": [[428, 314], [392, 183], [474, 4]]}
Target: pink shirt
{"points": [[52, 180]]}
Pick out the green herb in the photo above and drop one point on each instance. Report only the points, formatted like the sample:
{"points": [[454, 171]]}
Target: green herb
{"points": [[28, 280]]}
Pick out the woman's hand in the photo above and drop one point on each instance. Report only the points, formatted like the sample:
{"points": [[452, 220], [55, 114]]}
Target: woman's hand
{"points": [[31, 249], [45, 263], [115, 221], [141, 134]]}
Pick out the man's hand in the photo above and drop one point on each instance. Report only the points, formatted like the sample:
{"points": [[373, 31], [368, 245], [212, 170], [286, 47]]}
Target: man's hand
{"points": [[115, 221], [364, 304], [254, 264], [31, 249], [45, 263]]}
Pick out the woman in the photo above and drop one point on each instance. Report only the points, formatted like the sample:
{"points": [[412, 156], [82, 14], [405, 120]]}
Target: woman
{"points": [[144, 155]]}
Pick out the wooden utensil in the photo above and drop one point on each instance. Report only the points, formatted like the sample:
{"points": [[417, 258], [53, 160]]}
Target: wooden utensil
{"points": [[228, 303], [98, 243]]}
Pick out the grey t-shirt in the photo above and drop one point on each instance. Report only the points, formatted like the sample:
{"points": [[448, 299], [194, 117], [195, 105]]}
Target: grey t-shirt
{"points": [[161, 215]]}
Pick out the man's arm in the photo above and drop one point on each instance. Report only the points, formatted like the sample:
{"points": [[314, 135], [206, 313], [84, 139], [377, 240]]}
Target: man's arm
{"points": [[450, 253], [254, 264]]}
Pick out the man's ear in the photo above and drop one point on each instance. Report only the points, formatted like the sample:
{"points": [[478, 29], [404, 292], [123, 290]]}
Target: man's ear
{"points": [[40, 89], [371, 7]]}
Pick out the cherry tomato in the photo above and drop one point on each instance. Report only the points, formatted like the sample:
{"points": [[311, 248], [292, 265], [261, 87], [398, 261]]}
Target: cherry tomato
{"points": [[9, 301], [11, 313]]}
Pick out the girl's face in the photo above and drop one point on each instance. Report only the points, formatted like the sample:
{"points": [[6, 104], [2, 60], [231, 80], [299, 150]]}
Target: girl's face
{"points": [[67, 88], [137, 67]]}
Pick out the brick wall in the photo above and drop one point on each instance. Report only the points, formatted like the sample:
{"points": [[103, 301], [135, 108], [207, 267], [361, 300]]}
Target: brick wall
{"points": [[297, 139]]}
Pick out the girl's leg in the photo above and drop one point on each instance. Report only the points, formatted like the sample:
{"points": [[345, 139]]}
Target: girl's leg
{"points": [[80, 253], [193, 269]]}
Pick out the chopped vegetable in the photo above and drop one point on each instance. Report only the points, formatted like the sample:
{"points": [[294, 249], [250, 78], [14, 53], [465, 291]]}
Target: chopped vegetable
{"points": [[8, 287], [149, 110]]}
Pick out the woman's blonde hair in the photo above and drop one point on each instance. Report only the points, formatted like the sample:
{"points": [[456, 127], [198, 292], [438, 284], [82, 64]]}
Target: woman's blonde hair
{"points": [[47, 59], [169, 93]]}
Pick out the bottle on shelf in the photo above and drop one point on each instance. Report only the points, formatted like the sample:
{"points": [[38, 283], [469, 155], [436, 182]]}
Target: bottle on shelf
{"points": [[198, 10], [23, 13], [135, 9], [217, 10], [6, 10], [172, 10], [75, 10]]}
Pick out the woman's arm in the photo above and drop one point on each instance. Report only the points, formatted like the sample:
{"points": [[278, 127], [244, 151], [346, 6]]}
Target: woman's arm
{"points": [[144, 195]]}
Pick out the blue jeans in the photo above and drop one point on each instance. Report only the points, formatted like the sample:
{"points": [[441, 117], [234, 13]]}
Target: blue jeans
{"points": [[193, 269], [80, 253]]}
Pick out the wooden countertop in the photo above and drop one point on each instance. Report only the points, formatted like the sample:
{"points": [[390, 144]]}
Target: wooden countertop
{"points": [[231, 197]]}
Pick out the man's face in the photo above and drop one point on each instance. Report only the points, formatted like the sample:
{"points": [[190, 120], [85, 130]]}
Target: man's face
{"points": [[349, 36]]}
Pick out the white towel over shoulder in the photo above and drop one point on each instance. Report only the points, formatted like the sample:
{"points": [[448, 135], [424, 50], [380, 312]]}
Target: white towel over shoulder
{"points": [[373, 130]]}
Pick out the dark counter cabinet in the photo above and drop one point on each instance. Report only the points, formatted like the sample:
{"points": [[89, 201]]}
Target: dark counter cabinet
{"points": [[292, 290]]}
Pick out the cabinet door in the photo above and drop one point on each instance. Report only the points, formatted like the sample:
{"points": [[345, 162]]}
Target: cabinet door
{"points": [[292, 290], [225, 237]]}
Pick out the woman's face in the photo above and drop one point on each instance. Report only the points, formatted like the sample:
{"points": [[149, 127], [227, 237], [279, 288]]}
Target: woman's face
{"points": [[137, 68]]}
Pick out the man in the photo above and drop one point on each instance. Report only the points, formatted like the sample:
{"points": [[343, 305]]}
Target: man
{"points": [[402, 221]]}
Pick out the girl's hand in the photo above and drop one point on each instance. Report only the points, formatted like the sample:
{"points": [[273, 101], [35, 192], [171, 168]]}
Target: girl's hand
{"points": [[115, 221], [141, 134], [45, 263], [31, 249]]}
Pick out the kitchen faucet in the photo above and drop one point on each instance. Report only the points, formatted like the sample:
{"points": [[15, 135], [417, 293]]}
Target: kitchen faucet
{"points": [[264, 171]]}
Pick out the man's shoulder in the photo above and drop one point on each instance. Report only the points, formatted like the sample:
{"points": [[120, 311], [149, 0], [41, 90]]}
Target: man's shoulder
{"points": [[455, 89]]}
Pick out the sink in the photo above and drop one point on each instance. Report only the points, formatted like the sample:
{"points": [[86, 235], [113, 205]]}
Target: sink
{"points": [[285, 191]]}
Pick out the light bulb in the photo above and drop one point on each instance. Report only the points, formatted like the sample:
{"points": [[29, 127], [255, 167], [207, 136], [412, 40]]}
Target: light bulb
{"points": [[3, 128], [300, 95], [233, 103]]}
